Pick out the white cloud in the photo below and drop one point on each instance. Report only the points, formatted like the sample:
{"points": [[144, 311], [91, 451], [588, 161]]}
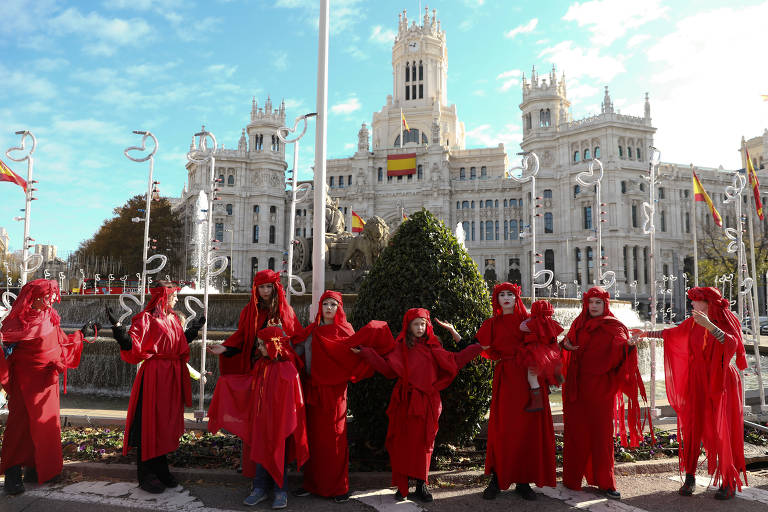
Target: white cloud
{"points": [[478, 92], [608, 20], [509, 78], [344, 14], [381, 35], [700, 113], [637, 39], [280, 62], [577, 91], [221, 70], [346, 107], [26, 84], [104, 34], [82, 128], [356, 52], [485, 135], [142, 5], [522, 29], [48, 64], [151, 70], [292, 103], [588, 62]]}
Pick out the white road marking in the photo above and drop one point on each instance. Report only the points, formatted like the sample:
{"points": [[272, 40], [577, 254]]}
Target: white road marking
{"points": [[383, 500], [585, 500]]}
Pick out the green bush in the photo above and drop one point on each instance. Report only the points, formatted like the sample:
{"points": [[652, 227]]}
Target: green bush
{"points": [[424, 266]]}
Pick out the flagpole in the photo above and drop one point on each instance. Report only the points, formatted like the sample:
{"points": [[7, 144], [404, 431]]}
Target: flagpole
{"points": [[402, 137], [695, 241]]}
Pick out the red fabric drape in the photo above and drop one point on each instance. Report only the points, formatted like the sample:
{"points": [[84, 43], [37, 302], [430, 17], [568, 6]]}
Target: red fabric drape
{"points": [[41, 352]]}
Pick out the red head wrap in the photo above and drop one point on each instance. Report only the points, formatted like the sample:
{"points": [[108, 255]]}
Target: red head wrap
{"points": [[541, 322], [287, 316], [581, 320], [341, 316], [410, 316], [720, 314], [158, 303], [514, 288], [24, 322]]}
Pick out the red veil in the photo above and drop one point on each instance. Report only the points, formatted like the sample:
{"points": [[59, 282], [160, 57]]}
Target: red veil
{"points": [[24, 322], [485, 336]]}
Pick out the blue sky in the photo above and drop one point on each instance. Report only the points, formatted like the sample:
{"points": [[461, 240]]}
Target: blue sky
{"points": [[82, 75]]}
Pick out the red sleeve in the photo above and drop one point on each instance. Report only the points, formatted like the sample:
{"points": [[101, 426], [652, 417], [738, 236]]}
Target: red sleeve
{"points": [[71, 348], [377, 362], [137, 332], [484, 337], [467, 354]]}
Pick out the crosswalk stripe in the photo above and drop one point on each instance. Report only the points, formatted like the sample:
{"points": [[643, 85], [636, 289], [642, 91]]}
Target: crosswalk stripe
{"points": [[585, 500], [383, 500]]}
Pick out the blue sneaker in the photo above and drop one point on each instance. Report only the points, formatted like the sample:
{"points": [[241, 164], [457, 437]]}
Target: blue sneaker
{"points": [[281, 500], [256, 497]]}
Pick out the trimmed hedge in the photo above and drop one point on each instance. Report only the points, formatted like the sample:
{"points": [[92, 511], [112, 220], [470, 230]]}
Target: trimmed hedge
{"points": [[424, 266]]}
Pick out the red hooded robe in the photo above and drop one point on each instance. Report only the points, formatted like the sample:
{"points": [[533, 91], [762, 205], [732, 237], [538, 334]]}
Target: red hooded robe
{"points": [[162, 381], [598, 372], [41, 351], [422, 371], [332, 366], [705, 390], [514, 435]]}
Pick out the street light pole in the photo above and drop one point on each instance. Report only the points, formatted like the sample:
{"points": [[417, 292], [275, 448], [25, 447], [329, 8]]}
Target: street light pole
{"points": [[649, 228]]}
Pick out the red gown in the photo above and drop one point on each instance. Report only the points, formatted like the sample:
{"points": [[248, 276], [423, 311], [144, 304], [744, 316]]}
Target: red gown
{"points": [[414, 407], [514, 435], [705, 390], [162, 381], [30, 375]]}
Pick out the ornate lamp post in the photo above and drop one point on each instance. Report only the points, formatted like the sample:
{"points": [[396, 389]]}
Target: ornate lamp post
{"points": [[298, 194], [531, 161], [588, 179], [649, 228]]}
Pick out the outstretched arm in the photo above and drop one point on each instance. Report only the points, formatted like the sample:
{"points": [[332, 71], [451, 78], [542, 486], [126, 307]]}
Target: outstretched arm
{"points": [[377, 362]]}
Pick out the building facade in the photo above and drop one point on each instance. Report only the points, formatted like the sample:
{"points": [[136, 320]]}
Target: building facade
{"points": [[470, 187]]}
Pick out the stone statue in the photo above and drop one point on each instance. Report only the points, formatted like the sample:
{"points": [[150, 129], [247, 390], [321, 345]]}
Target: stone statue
{"points": [[363, 250], [334, 218]]}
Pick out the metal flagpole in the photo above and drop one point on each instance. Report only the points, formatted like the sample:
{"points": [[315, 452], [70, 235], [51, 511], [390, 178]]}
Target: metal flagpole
{"points": [[695, 241]]}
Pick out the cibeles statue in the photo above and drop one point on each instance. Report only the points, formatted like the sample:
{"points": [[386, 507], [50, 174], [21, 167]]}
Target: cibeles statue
{"points": [[348, 256]]}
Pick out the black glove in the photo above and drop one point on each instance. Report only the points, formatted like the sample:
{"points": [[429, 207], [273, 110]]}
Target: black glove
{"points": [[118, 331], [193, 328], [90, 328], [111, 315]]}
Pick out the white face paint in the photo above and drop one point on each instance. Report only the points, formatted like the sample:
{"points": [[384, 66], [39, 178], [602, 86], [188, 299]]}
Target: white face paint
{"points": [[330, 306], [507, 301], [596, 306], [418, 327]]}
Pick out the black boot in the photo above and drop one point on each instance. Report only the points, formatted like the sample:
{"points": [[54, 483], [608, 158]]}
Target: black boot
{"points": [[13, 483], [30, 475], [492, 490], [688, 486], [422, 491], [525, 492], [152, 484], [723, 493]]}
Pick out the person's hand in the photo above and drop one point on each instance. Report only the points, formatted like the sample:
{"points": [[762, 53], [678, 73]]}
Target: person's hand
{"points": [[216, 349], [634, 336], [524, 325], [485, 347], [111, 316], [568, 346], [702, 319], [450, 328], [197, 323], [355, 350], [90, 328]]}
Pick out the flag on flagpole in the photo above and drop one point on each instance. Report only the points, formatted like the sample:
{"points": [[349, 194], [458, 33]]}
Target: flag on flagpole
{"points": [[699, 194], [405, 217], [754, 183], [404, 122], [6, 174], [401, 165], [357, 223]]}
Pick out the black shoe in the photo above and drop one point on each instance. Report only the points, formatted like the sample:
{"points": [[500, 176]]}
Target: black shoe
{"points": [[688, 486], [422, 491], [30, 475], [525, 492], [611, 494], [341, 498], [492, 490], [152, 485], [168, 480], [13, 483], [399, 497], [301, 492], [723, 493]]}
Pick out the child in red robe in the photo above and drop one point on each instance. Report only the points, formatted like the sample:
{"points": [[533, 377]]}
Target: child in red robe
{"points": [[705, 390], [600, 364], [540, 351], [266, 410], [328, 366], [35, 351], [157, 341], [422, 368], [515, 435]]}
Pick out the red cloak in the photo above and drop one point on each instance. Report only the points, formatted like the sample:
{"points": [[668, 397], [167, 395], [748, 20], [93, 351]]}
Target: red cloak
{"points": [[514, 435], [41, 351], [254, 318], [265, 408], [332, 366], [705, 390], [540, 351], [162, 381], [598, 372], [422, 371]]}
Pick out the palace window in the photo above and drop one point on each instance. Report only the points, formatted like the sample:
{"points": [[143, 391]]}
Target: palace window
{"points": [[419, 172], [483, 172], [271, 264], [576, 156], [629, 152], [547, 193], [548, 223], [464, 204], [489, 203], [637, 153], [472, 205], [219, 231], [576, 191], [634, 215], [255, 208], [254, 266], [587, 217], [473, 231], [577, 260], [623, 187], [462, 174], [231, 180], [331, 182], [587, 156], [271, 234], [255, 234], [489, 230], [229, 209], [341, 181], [472, 173], [496, 229], [273, 209], [597, 151], [465, 227], [549, 260], [513, 230], [381, 174]]}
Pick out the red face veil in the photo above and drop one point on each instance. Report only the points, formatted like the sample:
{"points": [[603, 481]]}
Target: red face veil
{"points": [[25, 322], [158, 304], [719, 312]]}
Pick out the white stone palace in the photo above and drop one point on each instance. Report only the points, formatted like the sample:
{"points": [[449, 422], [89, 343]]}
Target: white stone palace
{"points": [[467, 186]]}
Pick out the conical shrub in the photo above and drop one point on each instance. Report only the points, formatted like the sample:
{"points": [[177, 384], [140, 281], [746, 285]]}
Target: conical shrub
{"points": [[424, 266]]}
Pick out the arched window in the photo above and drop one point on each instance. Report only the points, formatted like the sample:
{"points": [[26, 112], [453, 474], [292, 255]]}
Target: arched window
{"points": [[421, 71], [634, 215], [271, 264], [273, 209], [407, 75], [231, 180], [505, 203], [419, 172], [542, 118], [465, 227], [597, 151], [506, 230], [483, 172], [221, 179], [482, 204], [229, 209], [547, 193], [576, 156], [458, 205], [621, 152], [587, 217], [380, 174], [576, 190], [629, 152], [413, 71], [590, 264], [254, 266], [271, 234], [496, 203], [330, 183], [548, 223], [255, 234], [496, 230], [473, 231], [462, 174], [663, 219], [472, 205], [513, 203], [489, 203], [341, 181], [549, 260], [255, 208], [577, 261], [548, 118], [587, 155], [623, 187], [687, 222], [513, 231], [489, 230], [464, 205], [637, 153], [472, 173], [661, 192], [482, 230]]}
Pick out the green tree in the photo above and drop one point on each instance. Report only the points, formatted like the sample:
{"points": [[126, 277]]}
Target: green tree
{"points": [[425, 266], [121, 239]]}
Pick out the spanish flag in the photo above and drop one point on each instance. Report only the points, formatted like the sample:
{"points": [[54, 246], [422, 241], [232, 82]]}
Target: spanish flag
{"points": [[400, 165], [357, 223], [6, 174], [699, 194], [405, 217], [402, 119], [752, 175]]}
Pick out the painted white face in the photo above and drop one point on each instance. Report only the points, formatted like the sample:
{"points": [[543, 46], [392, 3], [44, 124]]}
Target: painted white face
{"points": [[265, 291], [330, 306], [507, 301], [701, 306], [418, 327], [172, 300], [596, 306], [43, 302]]}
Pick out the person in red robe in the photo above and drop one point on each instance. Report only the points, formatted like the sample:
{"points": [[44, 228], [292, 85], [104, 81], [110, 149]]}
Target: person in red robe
{"points": [[514, 433], [35, 351], [328, 366], [154, 424], [705, 390], [422, 368], [600, 364], [266, 410]]}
